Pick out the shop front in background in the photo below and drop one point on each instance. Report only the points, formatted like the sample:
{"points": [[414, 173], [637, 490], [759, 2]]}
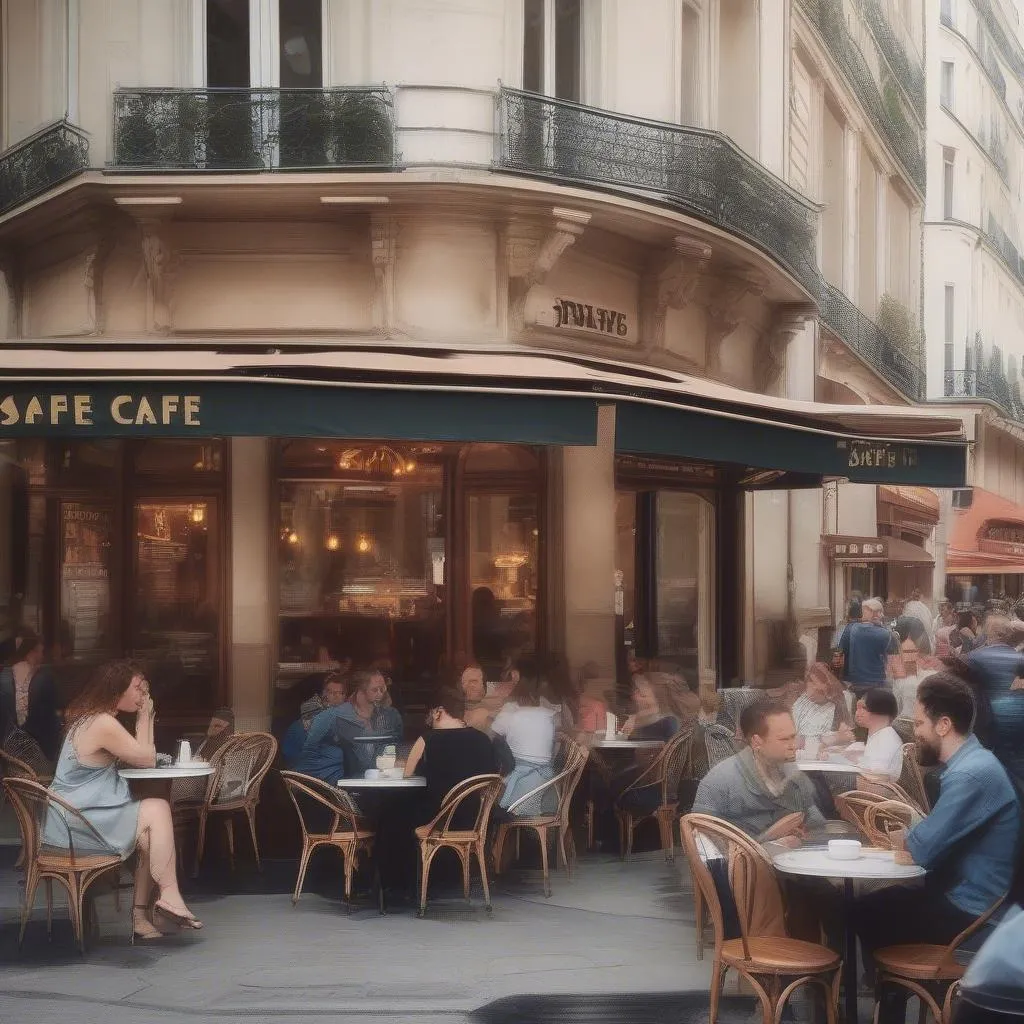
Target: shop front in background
{"points": [[408, 556], [114, 548]]}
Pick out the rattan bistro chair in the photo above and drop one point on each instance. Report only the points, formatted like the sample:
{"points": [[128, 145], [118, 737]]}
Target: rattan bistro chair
{"points": [[852, 808], [564, 785], [666, 773], [347, 831], [912, 778], [240, 767], [763, 954], [76, 871], [12, 767], [927, 970], [439, 834], [884, 818]]}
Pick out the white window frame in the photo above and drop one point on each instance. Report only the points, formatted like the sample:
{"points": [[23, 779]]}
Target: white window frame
{"points": [[264, 43], [588, 27], [947, 100], [700, 8]]}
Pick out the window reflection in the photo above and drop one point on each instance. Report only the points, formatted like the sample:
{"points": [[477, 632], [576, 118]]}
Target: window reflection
{"points": [[301, 47], [177, 602]]}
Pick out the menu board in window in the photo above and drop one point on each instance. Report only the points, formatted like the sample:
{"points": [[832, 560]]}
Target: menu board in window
{"points": [[87, 530]]}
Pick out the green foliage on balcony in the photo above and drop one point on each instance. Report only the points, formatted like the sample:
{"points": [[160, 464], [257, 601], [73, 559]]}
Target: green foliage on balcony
{"points": [[43, 160], [902, 327], [885, 113], [906, 68], [253, 129]]}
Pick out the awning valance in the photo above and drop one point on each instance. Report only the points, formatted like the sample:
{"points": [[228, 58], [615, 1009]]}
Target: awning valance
{"points": [[893, 550], [368, 390]]}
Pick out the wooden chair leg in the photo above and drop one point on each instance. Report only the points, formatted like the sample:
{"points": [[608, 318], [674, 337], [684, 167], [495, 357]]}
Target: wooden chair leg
{"points": [[426, 857], [229, 828], [31, 882], [48, 885], [717, 980], [499, 848], [464, 859], [698, 911], [542, 836], [307, 852], [250, 813], [348, 858], [482, 862], [590, 824], [200, 843]]}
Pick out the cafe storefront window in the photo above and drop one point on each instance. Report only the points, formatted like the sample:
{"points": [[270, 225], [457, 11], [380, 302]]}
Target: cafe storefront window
{"points": [[112, 549], [403, 555]]}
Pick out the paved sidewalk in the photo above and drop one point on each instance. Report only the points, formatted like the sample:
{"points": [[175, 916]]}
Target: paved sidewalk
{"points": [[618, 934]]}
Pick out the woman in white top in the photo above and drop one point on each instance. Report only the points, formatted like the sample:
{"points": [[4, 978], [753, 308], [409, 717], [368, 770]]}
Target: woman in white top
{"points": [[529, 730], [820, 711], [883, 752]]}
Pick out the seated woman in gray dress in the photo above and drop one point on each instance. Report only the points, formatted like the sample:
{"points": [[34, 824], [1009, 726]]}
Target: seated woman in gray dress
{"points": [[87, 778]]}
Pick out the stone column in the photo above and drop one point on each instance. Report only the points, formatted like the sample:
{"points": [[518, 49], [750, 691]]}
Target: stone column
{"points": [[588, 531], [252, 628]]}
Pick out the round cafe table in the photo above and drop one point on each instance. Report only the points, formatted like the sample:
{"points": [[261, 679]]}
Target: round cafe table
{"points": [[873, 864], [601, 742], [833, 767], [387, 785]]}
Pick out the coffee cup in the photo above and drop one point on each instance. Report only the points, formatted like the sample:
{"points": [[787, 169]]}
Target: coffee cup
{"points": [[372, 773]]}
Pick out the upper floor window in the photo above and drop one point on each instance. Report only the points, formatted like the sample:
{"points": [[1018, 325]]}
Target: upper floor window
{"points": [[690, 107], [946, 85], [948, 181], [553, 47], [236, 52]]}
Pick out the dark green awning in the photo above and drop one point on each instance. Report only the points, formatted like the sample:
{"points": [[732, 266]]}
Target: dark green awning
{"points": [[254, 408], [645, 429]]}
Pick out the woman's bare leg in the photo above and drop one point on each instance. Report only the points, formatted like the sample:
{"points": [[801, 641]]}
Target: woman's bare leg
{"points": [[142, 922], [156, 824]]}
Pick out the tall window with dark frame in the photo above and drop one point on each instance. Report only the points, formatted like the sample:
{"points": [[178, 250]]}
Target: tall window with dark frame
{"points": [[690, 71], [553, 48], [301, 44], [948, 345], [227, 44]]}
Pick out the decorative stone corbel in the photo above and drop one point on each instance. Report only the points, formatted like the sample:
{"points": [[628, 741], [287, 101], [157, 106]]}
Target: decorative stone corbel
{"points": [[671, 282], [152, 214], [383, 249], [531, 255], [724, 313], [97, 252], [10, 267], [770, 368]]}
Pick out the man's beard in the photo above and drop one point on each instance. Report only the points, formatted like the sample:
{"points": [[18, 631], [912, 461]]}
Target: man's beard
{"points": [[927, 755]]}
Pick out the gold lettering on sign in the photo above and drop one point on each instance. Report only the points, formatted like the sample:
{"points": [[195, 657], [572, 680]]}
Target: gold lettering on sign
{"points": [[879, 455], [83, 410], [127, 410]]}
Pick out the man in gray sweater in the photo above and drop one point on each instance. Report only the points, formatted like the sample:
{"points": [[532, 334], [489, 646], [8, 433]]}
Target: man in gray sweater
{"points": [[753, 789]]}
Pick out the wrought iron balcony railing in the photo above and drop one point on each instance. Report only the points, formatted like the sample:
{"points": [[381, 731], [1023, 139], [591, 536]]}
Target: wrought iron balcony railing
{"points": [[253, 129], [870, 342], [43, 160], [881, 104], [700, 172], [991, 384], [904, 63], [999, 240]]}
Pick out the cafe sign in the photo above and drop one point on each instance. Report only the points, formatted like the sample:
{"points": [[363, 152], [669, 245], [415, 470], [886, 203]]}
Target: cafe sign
{"points": [[1001, 538], [845, 549], [878, 455], [569, 316], [84, 409]]}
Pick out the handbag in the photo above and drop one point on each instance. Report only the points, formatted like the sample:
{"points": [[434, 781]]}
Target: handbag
{"points": [[995, 977]]}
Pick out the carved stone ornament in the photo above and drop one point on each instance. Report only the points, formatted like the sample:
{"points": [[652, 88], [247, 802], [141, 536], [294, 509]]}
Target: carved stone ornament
{"points": [[158, 262], [531, 255], [383, 250], [671, 283], [724, 312], [788, 320], [96, 255], [10, 267]]}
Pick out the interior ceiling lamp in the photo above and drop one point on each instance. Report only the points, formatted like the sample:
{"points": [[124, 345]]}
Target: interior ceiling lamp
{"points": [[511, 560], [382, 460]]}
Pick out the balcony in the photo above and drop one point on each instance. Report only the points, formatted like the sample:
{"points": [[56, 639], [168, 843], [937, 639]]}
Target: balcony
{"points": [[253, 129], [861, 334], [699, 172], [879, 99], [999, 240], [990, 384], [52, 155]]}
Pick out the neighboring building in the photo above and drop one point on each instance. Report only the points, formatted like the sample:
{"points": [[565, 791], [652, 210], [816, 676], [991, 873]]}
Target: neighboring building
{"points": [[300, 365], [974, 276]]}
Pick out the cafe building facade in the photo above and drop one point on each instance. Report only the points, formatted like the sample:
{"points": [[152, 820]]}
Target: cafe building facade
{"points": [[296, 368]]}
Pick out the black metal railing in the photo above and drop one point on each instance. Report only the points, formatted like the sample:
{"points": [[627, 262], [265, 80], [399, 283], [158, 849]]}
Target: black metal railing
{"points": [[906, 68], [253, 129], [870, 342], [881, 105], [991, 384], [43, 160], [1012, 51], [700, 172], [999, 240]]}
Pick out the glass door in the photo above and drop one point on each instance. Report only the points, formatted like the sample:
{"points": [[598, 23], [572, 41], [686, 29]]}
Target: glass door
{"points": [[176, 605]]}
